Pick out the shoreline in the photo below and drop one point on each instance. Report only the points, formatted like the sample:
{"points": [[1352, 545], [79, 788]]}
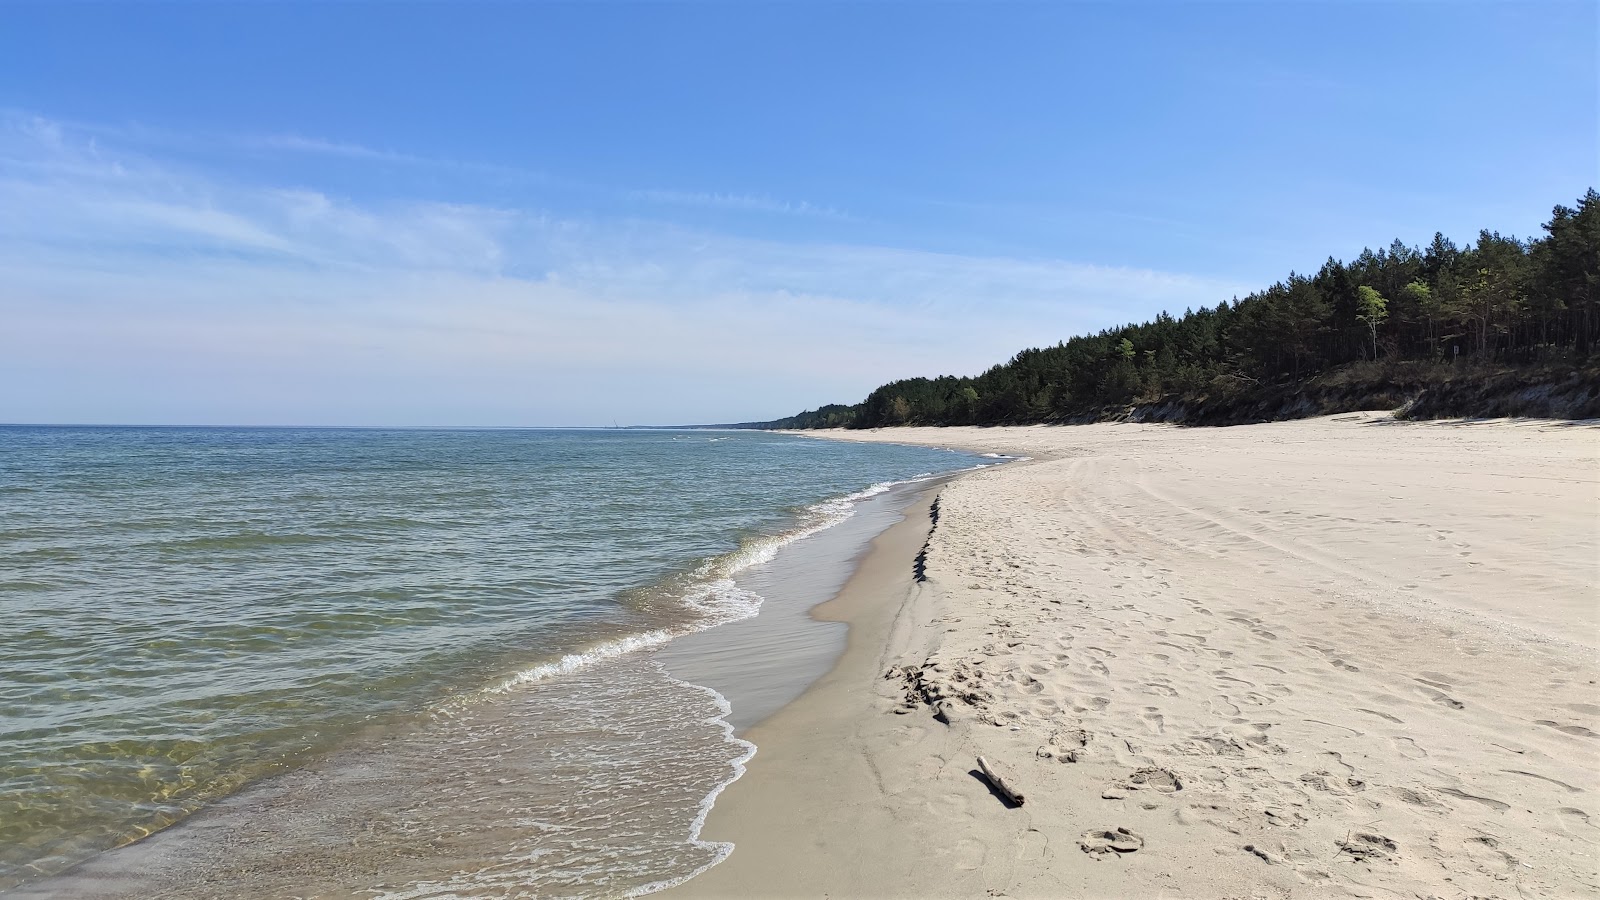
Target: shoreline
{"points": [[876, 594], [1298, 659], [761, 663], [203, 844], [724, 660]]}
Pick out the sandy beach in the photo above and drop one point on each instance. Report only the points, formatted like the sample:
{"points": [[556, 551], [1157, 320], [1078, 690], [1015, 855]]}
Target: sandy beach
{"points": [[1336, 657]]}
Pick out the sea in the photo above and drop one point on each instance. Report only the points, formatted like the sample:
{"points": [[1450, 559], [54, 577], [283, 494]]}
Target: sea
{"points": [[393, 663]]}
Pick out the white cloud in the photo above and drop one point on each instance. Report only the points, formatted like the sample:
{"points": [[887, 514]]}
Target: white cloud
{"points": [[294, 143], [133, 290], [745, 202]]}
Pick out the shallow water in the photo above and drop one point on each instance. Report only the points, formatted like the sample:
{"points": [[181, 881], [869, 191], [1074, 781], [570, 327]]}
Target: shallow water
{"points": [[762, 663], [188, 611]]}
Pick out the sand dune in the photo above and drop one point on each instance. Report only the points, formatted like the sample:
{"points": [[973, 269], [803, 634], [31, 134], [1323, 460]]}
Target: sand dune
{"points": [[1337, 657]]}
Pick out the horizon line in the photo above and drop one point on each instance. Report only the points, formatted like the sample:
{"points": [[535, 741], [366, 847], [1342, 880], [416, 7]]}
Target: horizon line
{"points": [[375, 427]]}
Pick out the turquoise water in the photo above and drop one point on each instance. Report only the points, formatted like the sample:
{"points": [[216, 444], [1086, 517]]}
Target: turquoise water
{"points": [[186, 611]]}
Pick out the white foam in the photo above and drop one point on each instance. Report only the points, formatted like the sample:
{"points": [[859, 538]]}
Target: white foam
{"points": [[719, 849], [713, 592], [592, 852], [572, 662], [722, 601]]}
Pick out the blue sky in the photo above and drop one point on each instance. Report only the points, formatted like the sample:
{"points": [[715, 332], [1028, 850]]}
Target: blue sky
{"points": [[524, 214]]}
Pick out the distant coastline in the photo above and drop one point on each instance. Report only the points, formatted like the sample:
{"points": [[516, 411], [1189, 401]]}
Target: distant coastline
{"points": [[1503, 327]]}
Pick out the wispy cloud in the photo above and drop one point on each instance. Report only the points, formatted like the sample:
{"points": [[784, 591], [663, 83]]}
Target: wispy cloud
{"points": [[292, 143], [135, 288], [746, 202], [76, 137], [741, 202]]}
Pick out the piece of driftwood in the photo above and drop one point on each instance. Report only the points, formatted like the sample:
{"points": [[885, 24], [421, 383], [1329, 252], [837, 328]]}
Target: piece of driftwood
{"points": [[1011, 793]]}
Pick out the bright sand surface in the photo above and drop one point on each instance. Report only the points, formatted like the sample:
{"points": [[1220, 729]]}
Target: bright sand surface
{"points": [[1337, 657]]}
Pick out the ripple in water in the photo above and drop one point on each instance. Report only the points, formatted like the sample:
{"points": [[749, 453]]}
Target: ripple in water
{"points": [[593, 784], [367, 656]]}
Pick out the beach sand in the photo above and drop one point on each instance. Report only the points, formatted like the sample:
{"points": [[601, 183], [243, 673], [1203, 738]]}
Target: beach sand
{"points": [[1344, 656]]}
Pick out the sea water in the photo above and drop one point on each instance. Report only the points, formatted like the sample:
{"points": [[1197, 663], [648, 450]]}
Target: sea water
{"points": [[359, 662]]}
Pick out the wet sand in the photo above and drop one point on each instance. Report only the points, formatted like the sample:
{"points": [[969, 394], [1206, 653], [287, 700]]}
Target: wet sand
{"points": [[763, 663], [1338, 657]]}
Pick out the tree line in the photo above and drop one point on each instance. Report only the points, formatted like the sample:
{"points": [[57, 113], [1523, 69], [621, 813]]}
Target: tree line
{"points": [[1500, 300]]}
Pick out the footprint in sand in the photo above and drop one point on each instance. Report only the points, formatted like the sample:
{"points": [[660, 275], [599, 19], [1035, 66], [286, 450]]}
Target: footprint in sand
{"points": [[950, 806], [1102, 843], [1156, 779], [1328, 782], [1066, 744], [1575, 730], [1490, 802], [1153, 720], [1364, 846], [1408, 748], [906, 735], [1222, 707], [968, 854], [1420, 798], [1485, 851], [1149, 778], [1033, 846], [1442, 699], [1285, 818], [1574, 820]]}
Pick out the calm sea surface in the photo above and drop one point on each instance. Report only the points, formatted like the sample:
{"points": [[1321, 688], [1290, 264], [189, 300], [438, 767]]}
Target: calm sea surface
{"points": [[186, 611]]}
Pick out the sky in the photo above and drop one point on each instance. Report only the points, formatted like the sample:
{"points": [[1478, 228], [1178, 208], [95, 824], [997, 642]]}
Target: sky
{"points": [[529, 214]]}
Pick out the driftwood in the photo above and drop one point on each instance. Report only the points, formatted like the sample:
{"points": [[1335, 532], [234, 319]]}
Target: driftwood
{"points": [[1010, 793]]}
